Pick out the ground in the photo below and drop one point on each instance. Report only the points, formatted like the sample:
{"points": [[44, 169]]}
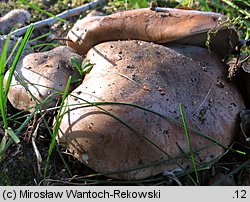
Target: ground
{"points": [[18, 165]]}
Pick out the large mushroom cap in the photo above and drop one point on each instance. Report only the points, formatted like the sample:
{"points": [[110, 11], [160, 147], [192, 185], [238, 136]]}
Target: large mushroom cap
{"points": [[174, 25], [157, 78], [42, 75]]}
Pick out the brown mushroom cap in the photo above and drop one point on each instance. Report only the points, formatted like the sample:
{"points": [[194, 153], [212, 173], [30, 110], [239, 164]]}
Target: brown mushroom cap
{"points": [[44, 74], [13, 18], [12, 42], [157, 78], [183, 26]]}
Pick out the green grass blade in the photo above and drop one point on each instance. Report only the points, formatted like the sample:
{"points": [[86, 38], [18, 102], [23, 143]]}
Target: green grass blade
{"points": [[218, 6], [45, 46], [86, 66], [205, 5], [57, 125], [13, 50], [16, 59], [2, 92], [57, 147], [235, 7], [189, 143], [13, 135], [42, 11], [40, 37], [185, 2], [24, 124], [139, 3]]}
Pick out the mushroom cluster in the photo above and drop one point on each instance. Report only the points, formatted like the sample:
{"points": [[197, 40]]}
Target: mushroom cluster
{"points": [[188, 27], [124, 118]]}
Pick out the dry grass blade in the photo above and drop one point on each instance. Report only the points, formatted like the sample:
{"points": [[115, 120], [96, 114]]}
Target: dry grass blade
{"points": [[243, 165], [38, 155]]}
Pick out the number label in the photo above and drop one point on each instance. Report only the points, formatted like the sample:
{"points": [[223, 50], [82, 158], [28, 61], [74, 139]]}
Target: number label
{"points": [[240, 194]]}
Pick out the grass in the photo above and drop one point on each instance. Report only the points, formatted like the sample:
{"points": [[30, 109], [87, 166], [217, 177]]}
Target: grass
{"points": [[235, 9], [42, 10], [56, 127], [138, 4], [189, 143], [5, 89]]}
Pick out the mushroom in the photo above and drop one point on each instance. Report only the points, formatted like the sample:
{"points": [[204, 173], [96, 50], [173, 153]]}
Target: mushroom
{"points": [[105, 129], [12, 19], [40, 76], [171, 25]]}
